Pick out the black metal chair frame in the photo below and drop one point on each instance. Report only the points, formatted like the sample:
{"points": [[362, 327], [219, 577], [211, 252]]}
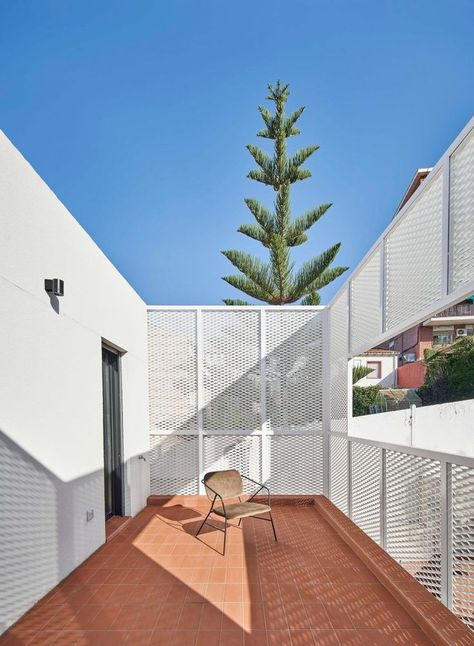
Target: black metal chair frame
{"points": [[217, 495]]}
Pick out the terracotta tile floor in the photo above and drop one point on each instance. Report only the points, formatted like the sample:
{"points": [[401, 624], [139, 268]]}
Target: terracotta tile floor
{"points": [[155, 583]]}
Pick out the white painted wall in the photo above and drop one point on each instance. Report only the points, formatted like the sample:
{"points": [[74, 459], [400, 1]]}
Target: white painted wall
{"points": [[388, 373], [51, 436], [444, 428]]}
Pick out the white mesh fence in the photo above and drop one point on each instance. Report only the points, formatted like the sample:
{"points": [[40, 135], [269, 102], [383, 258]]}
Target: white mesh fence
{"points": [[236, 388], [461, 212]]}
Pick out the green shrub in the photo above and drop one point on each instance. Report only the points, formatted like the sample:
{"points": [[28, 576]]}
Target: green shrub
{"points": [[362, 398], [449, 373]]}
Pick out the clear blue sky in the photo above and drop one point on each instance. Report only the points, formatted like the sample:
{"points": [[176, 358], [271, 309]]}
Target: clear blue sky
{"points": [[137, 115]]}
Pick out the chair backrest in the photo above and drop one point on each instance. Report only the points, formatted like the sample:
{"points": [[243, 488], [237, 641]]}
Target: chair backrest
{"points": [[228, 484]]}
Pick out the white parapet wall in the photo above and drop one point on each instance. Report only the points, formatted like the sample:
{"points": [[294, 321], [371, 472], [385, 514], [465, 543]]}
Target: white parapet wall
{"points": [[443, 428], [51, 426]]}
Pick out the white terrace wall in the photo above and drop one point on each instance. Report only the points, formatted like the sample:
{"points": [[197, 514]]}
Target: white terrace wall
{"points": [[443, 428], [51, 438]]}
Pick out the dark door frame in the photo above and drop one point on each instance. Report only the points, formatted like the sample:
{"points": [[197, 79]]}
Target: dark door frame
{"points": [[114, 426]]}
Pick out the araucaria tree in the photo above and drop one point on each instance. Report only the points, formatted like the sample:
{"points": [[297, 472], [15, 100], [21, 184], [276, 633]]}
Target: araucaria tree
{"points": [[277, 282]]}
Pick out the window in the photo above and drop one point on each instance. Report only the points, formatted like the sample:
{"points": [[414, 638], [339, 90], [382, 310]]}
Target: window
{"points": [[376, 369], [443, 336]]}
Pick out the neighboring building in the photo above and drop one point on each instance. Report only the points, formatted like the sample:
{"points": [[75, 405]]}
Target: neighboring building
{"points": [[419, 177], [384, 364]]}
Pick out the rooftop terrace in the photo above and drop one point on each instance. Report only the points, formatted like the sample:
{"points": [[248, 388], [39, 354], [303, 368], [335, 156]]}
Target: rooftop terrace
{"points": [[155, 583]]}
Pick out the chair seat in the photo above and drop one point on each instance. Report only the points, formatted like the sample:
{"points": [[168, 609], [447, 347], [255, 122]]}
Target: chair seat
{"points": [[241, 510]]}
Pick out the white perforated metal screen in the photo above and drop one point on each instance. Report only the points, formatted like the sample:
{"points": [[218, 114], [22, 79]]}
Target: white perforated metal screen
{"points": [[414, 258], [366, 478], [339, 471], [172, 372], [174, 468], [206, 393], [338, 357], [463, 543], [366, 311], [461, 214], [241, 452], [413, 516], [296, 464], [230, 348], [293, 370]]}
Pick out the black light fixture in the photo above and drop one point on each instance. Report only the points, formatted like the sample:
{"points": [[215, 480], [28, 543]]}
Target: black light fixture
{"points": [[54, 286]]}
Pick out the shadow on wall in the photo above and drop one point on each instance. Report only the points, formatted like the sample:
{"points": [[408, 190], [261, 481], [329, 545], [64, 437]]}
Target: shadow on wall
{"points": [[232, 404], [44, 534], [40, 516]]}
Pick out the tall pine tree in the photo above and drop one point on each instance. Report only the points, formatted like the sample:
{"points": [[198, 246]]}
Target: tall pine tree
{"points": [[277, 282]]}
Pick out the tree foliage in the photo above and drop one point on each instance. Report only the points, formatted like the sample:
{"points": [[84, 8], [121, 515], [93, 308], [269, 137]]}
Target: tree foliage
{"points": [[363, 398], [359, 372], [277, 282], [449, 373]]}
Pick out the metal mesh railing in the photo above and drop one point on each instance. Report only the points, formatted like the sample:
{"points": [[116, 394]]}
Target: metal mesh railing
{"points": [[420, 509]]}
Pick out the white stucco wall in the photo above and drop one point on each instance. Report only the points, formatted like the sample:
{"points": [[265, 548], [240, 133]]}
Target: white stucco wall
{"points": [[444, 428], [51, 434], [388, 373]]}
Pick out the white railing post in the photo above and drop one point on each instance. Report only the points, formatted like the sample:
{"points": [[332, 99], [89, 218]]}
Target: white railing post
{"points": [[349, 478], [382, 284], [383, 499], [200, 398], [446, 537], [264, 425], [326, 398], [445, 259]]}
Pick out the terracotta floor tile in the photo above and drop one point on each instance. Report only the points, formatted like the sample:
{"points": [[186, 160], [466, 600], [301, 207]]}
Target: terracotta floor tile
{"points": [[255, 638], [190, 618], [231, 638], [208, 638], [325, 637], [278, 638], [169, 617], [302, 637], [154, 582], [233, 592], [338, 615], [233, 616]]}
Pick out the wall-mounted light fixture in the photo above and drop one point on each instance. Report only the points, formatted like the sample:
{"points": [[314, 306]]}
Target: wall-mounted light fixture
{"points": [[54, 286]]}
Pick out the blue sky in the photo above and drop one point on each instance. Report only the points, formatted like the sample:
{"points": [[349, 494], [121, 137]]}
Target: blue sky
{"points": [[137, 116]]}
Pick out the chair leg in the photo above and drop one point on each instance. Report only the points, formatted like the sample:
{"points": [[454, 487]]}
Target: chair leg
{"points": [[240, 520], [273, 526], [225, 535], [204, 522]]}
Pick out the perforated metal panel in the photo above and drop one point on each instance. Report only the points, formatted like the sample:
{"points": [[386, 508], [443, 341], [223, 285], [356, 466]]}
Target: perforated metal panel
{"points": [[293, 370], [366, 485], [414, 517], [461, 214], [338, 351], [231, 369], [366, 312], [413, 257], [463, 543], [174, 464], [241, 452], [338, 474], [172, 371], [296, 464]]}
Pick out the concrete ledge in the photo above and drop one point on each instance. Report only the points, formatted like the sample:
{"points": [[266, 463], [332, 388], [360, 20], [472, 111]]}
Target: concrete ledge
{"points": [[435, 620]]}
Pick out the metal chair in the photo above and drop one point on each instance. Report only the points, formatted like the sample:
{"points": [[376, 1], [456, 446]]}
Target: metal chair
{"points": [[229, 484]]}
